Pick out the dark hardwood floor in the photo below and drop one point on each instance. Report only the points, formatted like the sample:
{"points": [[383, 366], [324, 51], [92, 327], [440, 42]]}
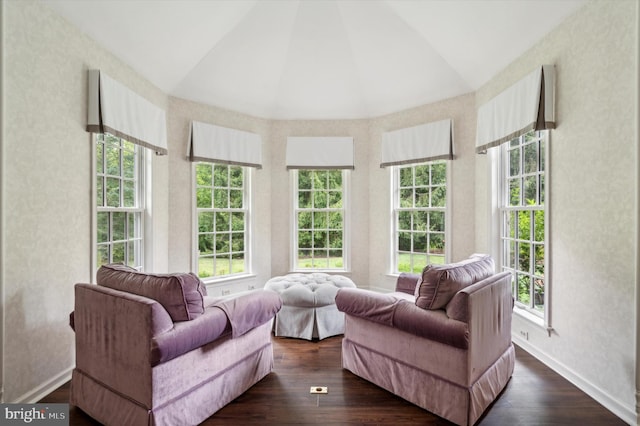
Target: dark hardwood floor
{"points": [[535, 396]]}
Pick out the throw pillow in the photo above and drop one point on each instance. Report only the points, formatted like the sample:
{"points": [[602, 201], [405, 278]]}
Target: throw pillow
{"points": [[180, 294], [439, 283]]}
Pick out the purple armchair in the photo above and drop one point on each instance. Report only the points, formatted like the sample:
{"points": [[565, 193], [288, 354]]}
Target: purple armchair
{"points": [[155, 350], [442, 341]]}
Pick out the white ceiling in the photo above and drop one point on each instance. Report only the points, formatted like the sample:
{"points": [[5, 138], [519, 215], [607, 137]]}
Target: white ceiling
{"points": [[323, 59]]}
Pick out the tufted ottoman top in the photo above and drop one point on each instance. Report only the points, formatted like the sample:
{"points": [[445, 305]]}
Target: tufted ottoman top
{"points": [[308, 290]]}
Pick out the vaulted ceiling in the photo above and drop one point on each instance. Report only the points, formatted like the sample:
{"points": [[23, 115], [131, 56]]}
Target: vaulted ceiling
{"points": [[322, 59]]}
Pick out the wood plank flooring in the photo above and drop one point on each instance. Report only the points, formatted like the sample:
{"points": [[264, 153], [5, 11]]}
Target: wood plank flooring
{"points": [[535, 396]]}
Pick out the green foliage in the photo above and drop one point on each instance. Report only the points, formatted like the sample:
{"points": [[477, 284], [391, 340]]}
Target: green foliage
{"points": [[118, 238], [103, 227], [218, 266], [103, 255], [221, 231], [423, 185], [415, 263], [529, 246], [421, 229], [319, 189], [116, 165], [219, 186], [525, 227], [307, 261], [116, 187], [320, 227]]}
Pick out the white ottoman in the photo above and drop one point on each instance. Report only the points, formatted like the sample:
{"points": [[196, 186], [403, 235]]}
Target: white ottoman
{"points": [[309, 305]]}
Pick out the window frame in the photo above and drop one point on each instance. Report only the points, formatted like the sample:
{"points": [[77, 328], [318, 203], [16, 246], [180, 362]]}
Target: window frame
{"points": [[528, 311], [346, 228], [396, 209], [141, 178], [248, 176]]}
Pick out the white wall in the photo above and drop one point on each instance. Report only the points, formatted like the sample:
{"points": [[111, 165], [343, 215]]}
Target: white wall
{"points": [[46, 190], [593, 171]]}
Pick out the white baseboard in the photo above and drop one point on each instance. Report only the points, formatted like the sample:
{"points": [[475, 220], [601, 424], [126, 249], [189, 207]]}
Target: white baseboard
{"points": [[626, 412], [45, 389]]}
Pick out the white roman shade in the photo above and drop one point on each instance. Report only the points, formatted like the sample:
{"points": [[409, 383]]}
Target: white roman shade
{"points": [[319, 153], [527, 105], [216, 144], [426, 142], [116, 109]]}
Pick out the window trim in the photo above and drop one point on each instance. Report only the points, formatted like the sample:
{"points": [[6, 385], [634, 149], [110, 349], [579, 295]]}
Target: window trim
{"points": [[144, 207], [346, 220], [498, 205], [394, 179], [248, 200]]}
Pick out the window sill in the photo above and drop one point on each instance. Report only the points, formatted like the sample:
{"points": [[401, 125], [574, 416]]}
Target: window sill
{"points": [[532, 318], [226, 280], [397, 274], [323, 271]]}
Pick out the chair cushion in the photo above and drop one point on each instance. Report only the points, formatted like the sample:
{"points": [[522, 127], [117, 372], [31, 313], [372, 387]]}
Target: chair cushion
{"points": [[439, 283], [180, 294]]}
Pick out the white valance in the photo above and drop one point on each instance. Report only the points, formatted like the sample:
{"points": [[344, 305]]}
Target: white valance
{"points": [[216, 144], [320, 153], [114, 108], [426, 142], [527, 105]]}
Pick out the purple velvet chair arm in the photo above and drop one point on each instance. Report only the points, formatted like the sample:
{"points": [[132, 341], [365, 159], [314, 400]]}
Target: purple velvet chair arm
{"points": [[235, 315], [431, 324], [250, 310], [490, 335], [403, 315], [188, 335], [406, 283], [367, 304]]}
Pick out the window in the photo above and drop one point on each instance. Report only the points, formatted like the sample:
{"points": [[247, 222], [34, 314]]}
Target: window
{"points": [[522, 210], [119, 202], [319, 219], [222, 208], [419, 215]]}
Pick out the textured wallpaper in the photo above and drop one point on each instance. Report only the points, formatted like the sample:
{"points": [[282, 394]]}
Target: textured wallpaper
{"points": [[592, 184], [47, 190]]}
